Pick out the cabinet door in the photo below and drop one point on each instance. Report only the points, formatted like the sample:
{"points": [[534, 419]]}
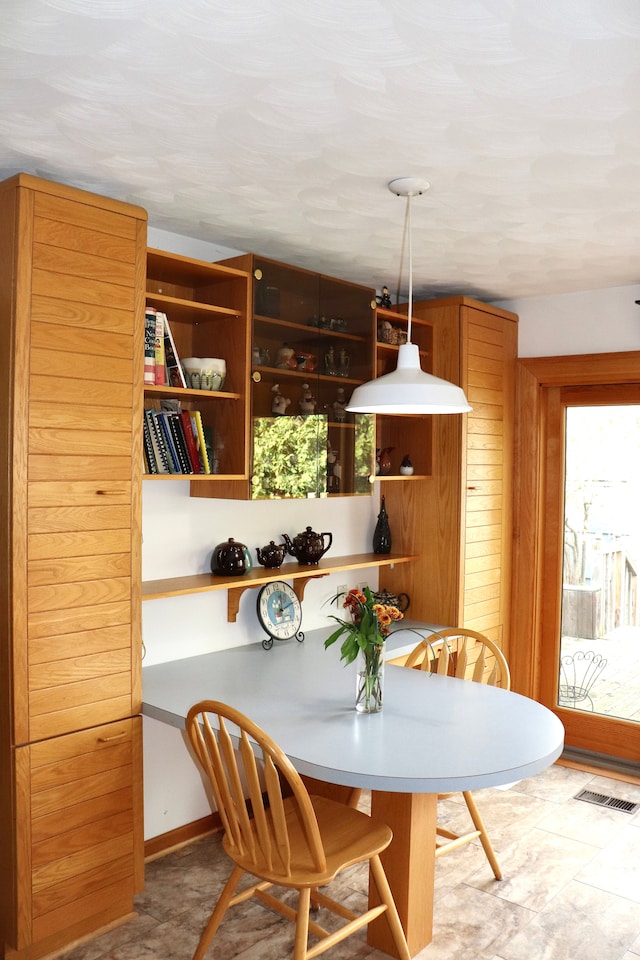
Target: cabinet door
{"points": [[81, 501], [459, 521], [488, 371], [312, 344], [79, 829]]}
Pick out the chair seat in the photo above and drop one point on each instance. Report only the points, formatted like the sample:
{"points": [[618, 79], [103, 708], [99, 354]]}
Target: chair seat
{"points": [[348, 835]]}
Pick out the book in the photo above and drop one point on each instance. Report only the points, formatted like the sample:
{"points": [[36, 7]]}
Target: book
{"points": [[159, 350], [192, 447], [172, 454], [157, 442], [202, 446], [175, 373], [165, 443], [208, 445], [150, 346], [149, 456], [180, 443]]}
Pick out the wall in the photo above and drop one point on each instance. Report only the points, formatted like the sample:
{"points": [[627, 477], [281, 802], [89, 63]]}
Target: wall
{"points": [[179, 534], [592, 321]]}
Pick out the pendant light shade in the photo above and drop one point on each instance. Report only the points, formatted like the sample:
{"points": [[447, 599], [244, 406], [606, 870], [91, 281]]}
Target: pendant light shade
{"points": [[408, 390]]}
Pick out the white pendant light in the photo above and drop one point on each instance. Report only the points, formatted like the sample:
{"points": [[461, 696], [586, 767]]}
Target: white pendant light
{"points": [[408, 389]]}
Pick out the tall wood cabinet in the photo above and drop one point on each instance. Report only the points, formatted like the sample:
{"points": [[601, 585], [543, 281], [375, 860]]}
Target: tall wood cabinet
{"points": [[459, 521], [72, 286]]}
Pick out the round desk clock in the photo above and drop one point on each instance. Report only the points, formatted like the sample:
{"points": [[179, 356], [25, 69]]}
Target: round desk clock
{"points": [[279, 613]]}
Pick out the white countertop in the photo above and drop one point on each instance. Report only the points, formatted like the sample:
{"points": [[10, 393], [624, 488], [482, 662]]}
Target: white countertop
{"points": [[434, 734]]}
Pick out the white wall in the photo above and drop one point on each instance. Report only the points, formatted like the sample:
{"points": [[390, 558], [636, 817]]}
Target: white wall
{"points": [[592, 321], [179, 534]]}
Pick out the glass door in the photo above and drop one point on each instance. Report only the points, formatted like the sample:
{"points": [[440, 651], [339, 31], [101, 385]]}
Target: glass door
{"points": [[593, 678]]}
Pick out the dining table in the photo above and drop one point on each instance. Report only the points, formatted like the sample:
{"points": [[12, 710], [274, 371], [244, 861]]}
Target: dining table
{"points": [[434, 734]]}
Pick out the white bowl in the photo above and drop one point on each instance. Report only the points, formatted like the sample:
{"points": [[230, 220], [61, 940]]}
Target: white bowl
{"points": [[216, 364], [192, 364]]}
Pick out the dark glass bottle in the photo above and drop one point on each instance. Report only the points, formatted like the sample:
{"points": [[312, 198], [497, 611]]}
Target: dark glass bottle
{"points": [[382, 532]]}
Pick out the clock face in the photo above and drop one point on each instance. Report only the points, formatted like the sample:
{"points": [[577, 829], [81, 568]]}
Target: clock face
{"points": [[279, 610]]}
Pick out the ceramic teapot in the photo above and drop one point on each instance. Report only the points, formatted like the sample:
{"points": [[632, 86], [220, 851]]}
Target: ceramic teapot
{"points": [[230, 559], [272, 554], [308, 546], [399, 600]]}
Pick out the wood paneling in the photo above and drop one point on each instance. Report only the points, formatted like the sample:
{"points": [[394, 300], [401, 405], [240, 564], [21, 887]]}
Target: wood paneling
{"points": [[459, 522], [84, 822], [70, 664]]}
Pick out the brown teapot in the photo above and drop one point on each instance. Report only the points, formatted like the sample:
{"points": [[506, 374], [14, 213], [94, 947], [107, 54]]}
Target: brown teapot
{"points": [[399, 600], [308, 546], [272, 554], [230, 559]]}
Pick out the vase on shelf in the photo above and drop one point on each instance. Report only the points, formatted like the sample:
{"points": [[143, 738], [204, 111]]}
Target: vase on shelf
{"points": [[382, 532], [384, 460], [370, 679]]}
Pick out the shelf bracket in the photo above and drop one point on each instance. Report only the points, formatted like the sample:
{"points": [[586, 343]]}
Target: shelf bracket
{"points": [[234, 595], [300, 583]]}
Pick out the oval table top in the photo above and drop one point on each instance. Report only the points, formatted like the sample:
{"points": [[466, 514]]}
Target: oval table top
{"points": [[434, 734]]}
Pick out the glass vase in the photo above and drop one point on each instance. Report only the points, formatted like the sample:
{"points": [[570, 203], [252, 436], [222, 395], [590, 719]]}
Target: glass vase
{"points": [[370, 679]]}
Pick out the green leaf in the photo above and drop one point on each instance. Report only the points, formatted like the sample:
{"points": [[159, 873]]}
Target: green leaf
{"points": [[334, 636]]}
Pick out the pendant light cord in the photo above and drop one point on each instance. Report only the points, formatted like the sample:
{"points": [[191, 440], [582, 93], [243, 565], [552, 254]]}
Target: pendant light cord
{"points": [[407, 241], [409, 232]]}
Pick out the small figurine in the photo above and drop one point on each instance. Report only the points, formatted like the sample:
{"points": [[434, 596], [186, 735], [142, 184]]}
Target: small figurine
{"points": [[334, 470], [279, 404], [285, 357], [384, 331], [339, 404], [307, 402], [343, 365], [330, 363], [406, 467], [338, 323], [384, 300]]}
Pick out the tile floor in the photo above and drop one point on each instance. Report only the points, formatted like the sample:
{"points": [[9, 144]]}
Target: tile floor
{"points": [[571, 888]]}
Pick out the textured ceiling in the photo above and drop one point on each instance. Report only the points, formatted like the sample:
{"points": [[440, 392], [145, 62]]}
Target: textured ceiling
{"points": [[274, 125]]}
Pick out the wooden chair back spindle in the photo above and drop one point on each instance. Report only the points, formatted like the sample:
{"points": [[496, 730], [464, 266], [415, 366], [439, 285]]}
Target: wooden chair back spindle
{"points": [[284, 837]]}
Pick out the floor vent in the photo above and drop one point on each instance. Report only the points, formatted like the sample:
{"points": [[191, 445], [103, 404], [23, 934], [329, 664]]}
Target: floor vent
{"points": [[602, 800]]}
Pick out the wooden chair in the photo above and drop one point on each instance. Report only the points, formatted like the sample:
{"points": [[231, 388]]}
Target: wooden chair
{"points": [[296, 841], [468, 655]]}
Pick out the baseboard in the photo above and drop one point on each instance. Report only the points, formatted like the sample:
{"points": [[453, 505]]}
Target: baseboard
{"points": [[600, 764], [173, 839]]}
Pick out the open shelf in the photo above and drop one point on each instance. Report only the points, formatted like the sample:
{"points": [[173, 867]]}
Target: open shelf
{"points": [[299, 573]]}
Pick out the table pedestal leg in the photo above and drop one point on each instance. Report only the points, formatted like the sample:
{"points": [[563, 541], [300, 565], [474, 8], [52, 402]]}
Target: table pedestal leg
{"points": [[409, 862]]}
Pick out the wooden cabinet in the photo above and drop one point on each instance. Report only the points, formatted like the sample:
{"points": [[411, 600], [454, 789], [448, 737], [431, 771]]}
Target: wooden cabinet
{"points": [[71, 302], [81, 831], [459, 522], [207, 308], [312, 343]]}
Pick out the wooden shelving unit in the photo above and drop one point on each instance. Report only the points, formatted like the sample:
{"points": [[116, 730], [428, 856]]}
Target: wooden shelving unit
{"points": [[300, 575], [207, 306]]}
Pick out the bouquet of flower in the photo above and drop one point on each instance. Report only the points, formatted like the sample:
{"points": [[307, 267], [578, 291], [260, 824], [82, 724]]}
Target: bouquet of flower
{"points": [[365, 633], [368, 627]]}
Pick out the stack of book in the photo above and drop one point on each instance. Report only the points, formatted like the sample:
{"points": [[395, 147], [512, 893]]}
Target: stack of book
{"points": [[176, 441], [161, 361]]}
